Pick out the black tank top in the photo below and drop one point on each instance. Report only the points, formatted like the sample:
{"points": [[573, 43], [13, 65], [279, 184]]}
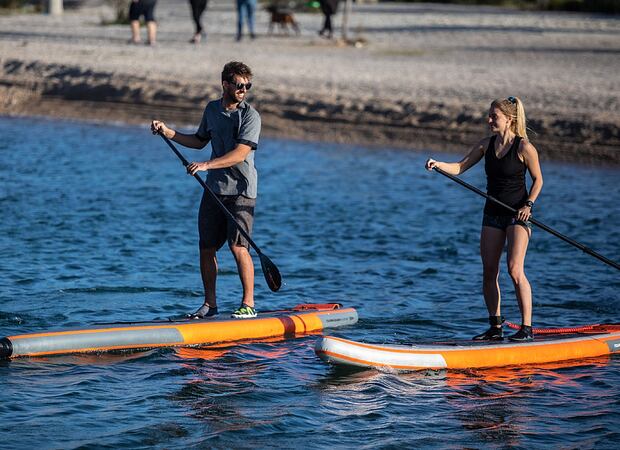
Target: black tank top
{"points": [[505, 179]]}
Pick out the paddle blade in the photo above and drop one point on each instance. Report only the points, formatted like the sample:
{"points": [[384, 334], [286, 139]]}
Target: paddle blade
{"points": [[271, 273]]}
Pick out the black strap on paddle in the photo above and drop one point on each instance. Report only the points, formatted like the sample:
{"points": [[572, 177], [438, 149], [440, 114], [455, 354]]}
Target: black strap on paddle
{"points": [[270, 271], [531, 219]]}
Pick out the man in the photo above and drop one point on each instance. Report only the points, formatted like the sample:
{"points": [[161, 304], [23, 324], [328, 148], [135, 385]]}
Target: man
{"points": [[233, 128], [247, 8], [144, 8]]}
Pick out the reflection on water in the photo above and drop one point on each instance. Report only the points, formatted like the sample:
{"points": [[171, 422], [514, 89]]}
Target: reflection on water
{"points": [[101, 228], [493, 406]]}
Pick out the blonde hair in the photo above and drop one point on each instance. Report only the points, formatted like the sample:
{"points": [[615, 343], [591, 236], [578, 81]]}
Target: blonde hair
{"points": [[512, 107]]}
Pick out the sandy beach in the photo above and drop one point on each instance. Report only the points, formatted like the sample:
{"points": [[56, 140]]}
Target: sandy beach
{"points": [[421, 76]]}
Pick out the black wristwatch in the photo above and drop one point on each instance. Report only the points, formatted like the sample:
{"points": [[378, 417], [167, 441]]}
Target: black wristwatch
{"points": [[529, 203]]}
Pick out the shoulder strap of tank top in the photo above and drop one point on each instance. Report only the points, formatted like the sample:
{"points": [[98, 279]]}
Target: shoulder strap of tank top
{"points": [[515, 145]]}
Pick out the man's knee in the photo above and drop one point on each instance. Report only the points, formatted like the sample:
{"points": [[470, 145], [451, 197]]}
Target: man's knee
{"points": [[490, 274], [239, 250], [208, 251]]}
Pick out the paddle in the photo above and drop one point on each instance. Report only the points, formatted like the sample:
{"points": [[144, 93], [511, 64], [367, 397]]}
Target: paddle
{"points": [[270, 271], [534, 221]]}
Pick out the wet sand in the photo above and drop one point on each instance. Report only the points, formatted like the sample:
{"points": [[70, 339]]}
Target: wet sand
{"points": [[414, 76]]}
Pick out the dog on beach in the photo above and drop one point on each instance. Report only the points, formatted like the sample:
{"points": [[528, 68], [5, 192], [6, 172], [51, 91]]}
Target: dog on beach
{"points": [[281, 17]]}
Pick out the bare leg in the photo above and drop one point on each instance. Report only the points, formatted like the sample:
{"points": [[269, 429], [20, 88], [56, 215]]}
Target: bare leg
{"points": [[135, 30], [245, 266], [198, 7], [208, 270], [151, 29], [491, 247], [518, 239]]}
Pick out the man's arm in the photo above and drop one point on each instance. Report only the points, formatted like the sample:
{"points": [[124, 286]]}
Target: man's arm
{"points": [[186, 140], [232, 158]]}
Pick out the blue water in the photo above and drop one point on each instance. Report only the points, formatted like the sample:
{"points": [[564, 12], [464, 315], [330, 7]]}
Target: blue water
{"points": [[98, 224]]}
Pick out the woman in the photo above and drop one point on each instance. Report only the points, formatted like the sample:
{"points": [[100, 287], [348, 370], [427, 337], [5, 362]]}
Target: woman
{"points": [[507, 155], [198, 7], [329, 8]]}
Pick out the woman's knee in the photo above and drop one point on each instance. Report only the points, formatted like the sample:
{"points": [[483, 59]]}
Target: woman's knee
{"points": [[516, 272]]}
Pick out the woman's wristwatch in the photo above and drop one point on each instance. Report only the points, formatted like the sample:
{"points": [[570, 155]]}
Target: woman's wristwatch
{"points": [[529, 203]]}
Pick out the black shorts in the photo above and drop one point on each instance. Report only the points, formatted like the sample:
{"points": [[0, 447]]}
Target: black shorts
{"points": [[214, 227], [144, 8], [503, 222]]}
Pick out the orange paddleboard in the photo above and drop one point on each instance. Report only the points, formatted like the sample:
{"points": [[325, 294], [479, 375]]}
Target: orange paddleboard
{"points": [[178, 333], [599, 340]]}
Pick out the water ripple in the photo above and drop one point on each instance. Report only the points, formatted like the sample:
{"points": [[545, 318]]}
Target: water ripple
{"points": [[366, 228]]}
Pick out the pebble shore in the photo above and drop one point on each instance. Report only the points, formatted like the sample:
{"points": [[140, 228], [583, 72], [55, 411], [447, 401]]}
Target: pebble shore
{"points": [[416, 76]]}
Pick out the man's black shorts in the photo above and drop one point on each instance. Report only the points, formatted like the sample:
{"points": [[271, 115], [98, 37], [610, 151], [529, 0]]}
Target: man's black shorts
{"points": [[214, 228], [144, 8]]}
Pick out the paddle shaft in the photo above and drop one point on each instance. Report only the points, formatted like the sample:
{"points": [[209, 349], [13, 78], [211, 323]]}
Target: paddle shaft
{"points": [[217, 200], [581, 247]]}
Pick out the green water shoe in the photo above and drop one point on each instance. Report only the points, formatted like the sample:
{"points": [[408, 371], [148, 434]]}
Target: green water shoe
{"points": [[244, 312]]}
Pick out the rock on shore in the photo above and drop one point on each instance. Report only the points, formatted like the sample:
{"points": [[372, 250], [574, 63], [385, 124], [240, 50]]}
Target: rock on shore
{"points": [[421, 77]]}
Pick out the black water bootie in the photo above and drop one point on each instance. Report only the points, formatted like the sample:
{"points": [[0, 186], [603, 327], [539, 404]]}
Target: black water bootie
{"points": [[204, 312], [524, 334], [494, 333]]}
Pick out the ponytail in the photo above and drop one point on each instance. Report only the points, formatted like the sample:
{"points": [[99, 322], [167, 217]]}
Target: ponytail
{"points": [[519, 123]]}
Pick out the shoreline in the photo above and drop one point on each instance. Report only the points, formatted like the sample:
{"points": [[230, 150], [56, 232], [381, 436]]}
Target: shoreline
{"points": [[435, 137], [430, 127], [313, 90]]}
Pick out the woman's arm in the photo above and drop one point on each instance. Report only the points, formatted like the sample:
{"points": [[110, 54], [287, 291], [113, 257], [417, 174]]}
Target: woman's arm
{"points": [[530, 159], [474, 155]]}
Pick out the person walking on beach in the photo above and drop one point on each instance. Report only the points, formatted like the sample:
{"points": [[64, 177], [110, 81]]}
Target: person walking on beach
{"points": [[245, 8], [198, 7], [329, 8], [145, 8], [507, 155], [233, 128]]}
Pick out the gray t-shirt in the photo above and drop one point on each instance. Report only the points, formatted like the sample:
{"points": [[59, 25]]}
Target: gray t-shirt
{"points": [[226, 129]]}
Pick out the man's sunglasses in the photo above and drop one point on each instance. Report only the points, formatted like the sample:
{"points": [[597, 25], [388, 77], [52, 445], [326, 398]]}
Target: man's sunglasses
{"points": [[240, 86]]}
